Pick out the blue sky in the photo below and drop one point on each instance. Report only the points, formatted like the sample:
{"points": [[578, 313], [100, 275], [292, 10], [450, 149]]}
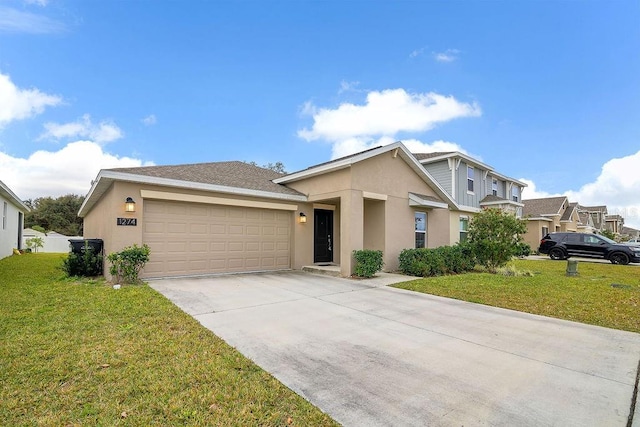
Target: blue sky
{"points": [[544, 91]]}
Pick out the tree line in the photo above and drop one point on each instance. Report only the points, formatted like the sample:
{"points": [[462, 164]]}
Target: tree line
{"points": [[55, 214]]}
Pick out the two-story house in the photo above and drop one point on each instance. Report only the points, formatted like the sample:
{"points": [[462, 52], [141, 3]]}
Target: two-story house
{"points": [[473, 185]]}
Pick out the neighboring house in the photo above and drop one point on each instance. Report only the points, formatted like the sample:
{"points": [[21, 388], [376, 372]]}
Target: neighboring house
{"points": [[597, 214], [630, 233], [548, 215], [472, 185], [235, 217], [614, 223], [52, 242], [12, 211]]}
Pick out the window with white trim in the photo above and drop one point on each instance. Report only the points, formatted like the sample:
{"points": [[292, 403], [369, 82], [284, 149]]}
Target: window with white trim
{"points": [[545, 231], [464, 228], [494, 187], [515, 194], [421, 229], [470, 175], [4, 216]]}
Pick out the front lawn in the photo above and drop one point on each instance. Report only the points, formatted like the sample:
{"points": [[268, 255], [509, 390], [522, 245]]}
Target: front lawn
{"points": [[81, 353], [603, 294]]}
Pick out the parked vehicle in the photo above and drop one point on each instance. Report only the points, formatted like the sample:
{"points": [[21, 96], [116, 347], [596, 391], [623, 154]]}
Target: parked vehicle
{"points": [[564, 245], [632, 242]]}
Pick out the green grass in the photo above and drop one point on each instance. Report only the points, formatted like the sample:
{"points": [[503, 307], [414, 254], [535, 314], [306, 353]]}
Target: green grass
{"points": [[587, 298], [81, 353]]}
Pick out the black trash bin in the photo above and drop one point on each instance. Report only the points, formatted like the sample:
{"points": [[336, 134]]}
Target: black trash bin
{"points": [[78, 246]]}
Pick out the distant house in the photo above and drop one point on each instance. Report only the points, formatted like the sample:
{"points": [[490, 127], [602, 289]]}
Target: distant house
{"points": [[598, 215], [629, 232], [473, 186], [13, 211], [52, 242], [549, 214], [614, 223]]}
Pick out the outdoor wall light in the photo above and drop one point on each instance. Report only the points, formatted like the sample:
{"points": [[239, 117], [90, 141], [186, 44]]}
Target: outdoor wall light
{"points": [[129, 205], [303, 218]]}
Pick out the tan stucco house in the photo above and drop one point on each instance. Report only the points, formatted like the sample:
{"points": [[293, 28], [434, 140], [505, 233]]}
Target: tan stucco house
{"points": [[547, 215], [236, 217], [12, 211]]}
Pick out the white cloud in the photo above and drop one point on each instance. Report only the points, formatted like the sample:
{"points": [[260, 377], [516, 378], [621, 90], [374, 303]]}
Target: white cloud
{"points": [[387, 113], [616, 187], [103, 132], [417, 52], [17, 104], [67, 171], [351, 128], [150, 120], [346, 86], [448, 55], [532, 192], [17, 21]]}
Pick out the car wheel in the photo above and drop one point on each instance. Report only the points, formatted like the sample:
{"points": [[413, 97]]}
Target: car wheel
{"points": [[619, 258], [556, 254]]}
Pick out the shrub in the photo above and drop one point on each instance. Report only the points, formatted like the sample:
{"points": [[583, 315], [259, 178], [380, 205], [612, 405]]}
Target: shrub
{"points": [[494, 236], [126, 264], [427, 262], [86, 264], [368, 262], [522, 249]]}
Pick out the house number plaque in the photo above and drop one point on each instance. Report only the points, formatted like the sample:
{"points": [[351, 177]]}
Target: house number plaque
{"points": [[128, 221]]}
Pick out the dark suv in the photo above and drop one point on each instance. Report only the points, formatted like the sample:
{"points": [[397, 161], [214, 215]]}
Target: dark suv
{"points": [[564, 245]]}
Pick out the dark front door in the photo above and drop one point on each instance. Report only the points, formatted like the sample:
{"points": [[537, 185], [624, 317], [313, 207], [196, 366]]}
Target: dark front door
{"points": [[323, 236]]}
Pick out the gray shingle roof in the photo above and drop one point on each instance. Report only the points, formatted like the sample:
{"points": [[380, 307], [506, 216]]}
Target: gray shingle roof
{"points": [[229, 174], [545, 206], [491, 198], [422, 156]]}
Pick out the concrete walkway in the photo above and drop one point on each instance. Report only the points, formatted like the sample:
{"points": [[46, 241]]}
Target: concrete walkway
{"points": [[370, 355]]}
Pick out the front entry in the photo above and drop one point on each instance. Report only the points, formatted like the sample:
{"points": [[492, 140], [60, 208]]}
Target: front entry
{"points": [[323, 236]]}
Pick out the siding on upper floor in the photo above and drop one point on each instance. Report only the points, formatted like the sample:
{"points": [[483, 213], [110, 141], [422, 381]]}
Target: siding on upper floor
{"points": [[440, 172]]}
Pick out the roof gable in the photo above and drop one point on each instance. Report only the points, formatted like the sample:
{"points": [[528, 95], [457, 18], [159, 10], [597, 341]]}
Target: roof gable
{"points": [[544, 206], [11, 197]]}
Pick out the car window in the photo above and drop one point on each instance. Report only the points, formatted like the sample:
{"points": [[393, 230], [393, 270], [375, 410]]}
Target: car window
{"points": [[591, 239], [572, 238]]}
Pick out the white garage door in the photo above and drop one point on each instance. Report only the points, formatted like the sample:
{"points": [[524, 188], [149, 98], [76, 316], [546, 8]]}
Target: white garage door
{"points": [[193, 238]]}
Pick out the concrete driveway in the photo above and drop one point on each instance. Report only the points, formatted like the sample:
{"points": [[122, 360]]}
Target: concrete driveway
{"points": [[370, 355]]}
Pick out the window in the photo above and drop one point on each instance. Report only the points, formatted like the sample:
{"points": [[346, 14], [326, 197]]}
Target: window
{"points": [[470, 178], [515, 193], [494, 187], [421, 229], [4, 216], [464, 228], [545, 231]]}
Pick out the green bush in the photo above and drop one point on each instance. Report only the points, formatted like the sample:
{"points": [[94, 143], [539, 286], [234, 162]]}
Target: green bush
{"points": [[426, 262], [523, 249], [368, 262], [126, 264], [494, 236], [86, 264]]}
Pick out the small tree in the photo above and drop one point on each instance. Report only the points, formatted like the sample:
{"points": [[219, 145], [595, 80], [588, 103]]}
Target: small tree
{"points": [[35, 243], [608, 233], [126, 264], [494, 236]]}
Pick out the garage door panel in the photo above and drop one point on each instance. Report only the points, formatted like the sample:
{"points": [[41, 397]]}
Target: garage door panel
{"points": [[189, 238]]}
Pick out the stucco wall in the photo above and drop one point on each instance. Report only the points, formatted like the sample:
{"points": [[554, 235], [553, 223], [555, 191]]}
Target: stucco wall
{"points": [[9, 234]]}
